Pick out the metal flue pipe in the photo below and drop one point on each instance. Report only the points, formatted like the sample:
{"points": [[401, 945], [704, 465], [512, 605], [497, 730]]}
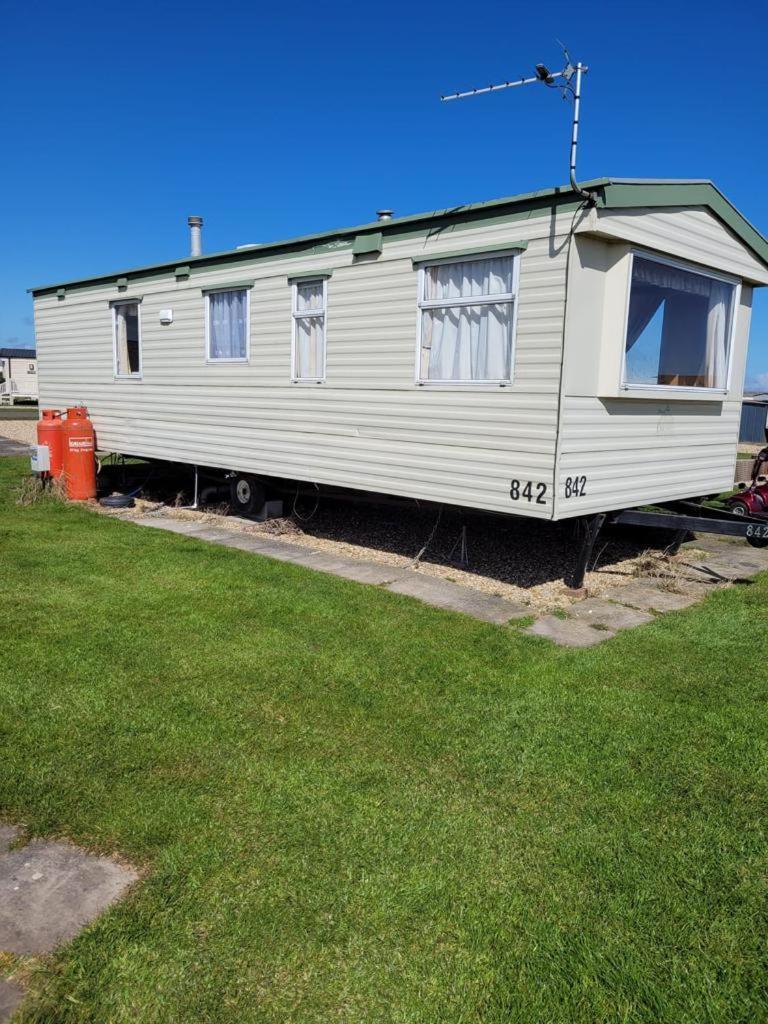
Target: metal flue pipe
{"points": [[195, 236]]}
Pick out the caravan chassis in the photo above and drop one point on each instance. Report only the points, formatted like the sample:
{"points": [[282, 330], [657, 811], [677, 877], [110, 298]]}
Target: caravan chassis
{"points": [[680, 517]]}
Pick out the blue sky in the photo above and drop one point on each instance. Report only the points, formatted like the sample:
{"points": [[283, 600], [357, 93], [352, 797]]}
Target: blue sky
{"points": [[272, 120]]}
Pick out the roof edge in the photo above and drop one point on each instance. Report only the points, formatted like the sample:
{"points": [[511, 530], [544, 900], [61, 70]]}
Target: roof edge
{"points": [[609, 193]]}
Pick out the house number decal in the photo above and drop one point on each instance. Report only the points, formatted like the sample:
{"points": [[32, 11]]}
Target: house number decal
{"points": [[757, 531], [525, 489], [575, 486]]}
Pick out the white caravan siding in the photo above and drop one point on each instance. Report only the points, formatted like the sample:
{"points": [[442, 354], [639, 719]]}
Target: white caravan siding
{"points": [[369, 426], [631, 449]]}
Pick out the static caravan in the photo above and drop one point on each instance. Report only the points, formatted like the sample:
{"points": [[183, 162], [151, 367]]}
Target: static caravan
{"points": [[18, 375], [540, 355]]}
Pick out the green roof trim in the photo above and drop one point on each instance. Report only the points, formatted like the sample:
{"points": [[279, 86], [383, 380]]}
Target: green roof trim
{"points": [[365, 244], [182, 271], [314, 275], [234, 286], [479, 251], [613, 193]]}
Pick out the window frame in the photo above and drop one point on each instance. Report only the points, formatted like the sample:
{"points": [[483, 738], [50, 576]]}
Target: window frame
{"points": [[215, 360], [296, 316], [115, 361], [693, 268], [490, 300]]}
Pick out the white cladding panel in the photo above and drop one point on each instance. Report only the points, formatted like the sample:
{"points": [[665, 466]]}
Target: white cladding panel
{"points": [[369, 426], [633, 451], [692, 233]]}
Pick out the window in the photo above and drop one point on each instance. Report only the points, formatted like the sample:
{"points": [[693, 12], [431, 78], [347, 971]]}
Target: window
{"points": [[678, 327], [309, 330], [228, 333], [467, 319], [127, 327]]}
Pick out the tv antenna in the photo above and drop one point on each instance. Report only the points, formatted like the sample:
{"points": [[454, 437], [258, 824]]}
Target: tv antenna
{"points": [[568, 82]]}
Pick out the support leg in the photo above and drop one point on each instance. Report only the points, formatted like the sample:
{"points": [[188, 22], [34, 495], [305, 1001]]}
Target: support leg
{"points": [[589, 527], [679, 539]]}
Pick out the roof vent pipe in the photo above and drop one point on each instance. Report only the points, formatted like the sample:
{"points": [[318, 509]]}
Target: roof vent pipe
{"points": [[195, 236], [384, 214]]}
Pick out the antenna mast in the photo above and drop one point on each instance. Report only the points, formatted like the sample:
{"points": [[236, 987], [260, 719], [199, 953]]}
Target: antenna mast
{"points": [[569, 85]]}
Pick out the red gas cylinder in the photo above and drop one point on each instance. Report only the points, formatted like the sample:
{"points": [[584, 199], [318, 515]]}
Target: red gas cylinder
{"points": [[79, 455], [50, 432]]}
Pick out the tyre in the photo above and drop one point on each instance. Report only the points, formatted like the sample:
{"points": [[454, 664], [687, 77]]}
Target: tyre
{"points": [[737, 509], [246, 495]]}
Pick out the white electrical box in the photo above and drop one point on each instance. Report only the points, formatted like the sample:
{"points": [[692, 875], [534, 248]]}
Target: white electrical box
{"points": [[166, 316], [41, 458]]}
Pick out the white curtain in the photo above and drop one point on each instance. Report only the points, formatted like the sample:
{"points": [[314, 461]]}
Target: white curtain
{"points": [[466, 280], [664, 276], [692, 349], [467, 342], [309, 361], [718, 318], [228, 312], [121, 341]]}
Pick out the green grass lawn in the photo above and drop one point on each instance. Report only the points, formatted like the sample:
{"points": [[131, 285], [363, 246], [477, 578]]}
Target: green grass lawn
{"points": [[355, 808]]}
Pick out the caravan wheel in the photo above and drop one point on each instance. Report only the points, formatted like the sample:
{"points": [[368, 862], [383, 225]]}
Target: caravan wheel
{"points": [[246, 495]]}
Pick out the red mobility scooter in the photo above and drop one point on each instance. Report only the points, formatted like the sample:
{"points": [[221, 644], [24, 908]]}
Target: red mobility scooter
{"points": [[752, 500]]}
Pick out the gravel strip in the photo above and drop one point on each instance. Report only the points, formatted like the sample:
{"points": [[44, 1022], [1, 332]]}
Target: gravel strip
{"points": [[24, 431]]}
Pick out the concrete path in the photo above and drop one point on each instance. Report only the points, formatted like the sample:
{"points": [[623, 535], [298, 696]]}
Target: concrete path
{"points": [[429, 589], [583, 624], [623, 607], [9, 448], [49, 891]]}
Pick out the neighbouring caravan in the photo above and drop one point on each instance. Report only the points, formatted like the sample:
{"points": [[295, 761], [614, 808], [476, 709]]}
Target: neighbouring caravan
{"points": [[538, 355], [18, 375]]}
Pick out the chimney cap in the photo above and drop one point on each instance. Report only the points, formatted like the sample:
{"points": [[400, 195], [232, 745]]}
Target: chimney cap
{"points": [[384, 214], [195, 222]]}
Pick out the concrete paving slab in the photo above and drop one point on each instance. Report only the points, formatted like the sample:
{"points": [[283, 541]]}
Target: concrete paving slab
{"points": [[444, 594], [10, 449], [569, 632], [697, 586], [8, 833], [11, 995], [646, 596], [611, 616], [50, 891], [243, 541], [374, 573], [726, 568], [171, 525], [214, 534], [350, 569]]}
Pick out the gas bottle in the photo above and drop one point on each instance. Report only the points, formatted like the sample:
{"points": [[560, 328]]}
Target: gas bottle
{"points": [[50, 432], [79, 455]]}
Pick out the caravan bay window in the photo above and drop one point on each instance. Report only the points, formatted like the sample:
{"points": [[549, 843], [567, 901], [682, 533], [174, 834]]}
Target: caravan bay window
{"points": [[467, 319], [678, 327], [127, 339]]}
